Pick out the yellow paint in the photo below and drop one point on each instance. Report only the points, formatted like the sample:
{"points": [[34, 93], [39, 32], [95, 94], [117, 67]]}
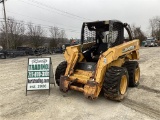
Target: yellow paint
{"points": [[115, 56], [123, 85]]}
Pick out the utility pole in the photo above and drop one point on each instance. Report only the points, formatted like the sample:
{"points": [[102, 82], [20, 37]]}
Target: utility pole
{"points": [[159, 31], [5, 18]]}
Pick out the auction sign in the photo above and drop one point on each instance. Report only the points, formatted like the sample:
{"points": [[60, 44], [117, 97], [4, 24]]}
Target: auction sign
{"points": [[38, 74]]}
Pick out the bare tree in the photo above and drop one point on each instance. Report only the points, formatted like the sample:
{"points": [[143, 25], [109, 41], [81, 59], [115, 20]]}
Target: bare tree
{"points": [[62, 38], [58, 37], [2, 37], [155, 27], [36, 34], [138, 33], [16, 31], [62, 34], [54, 33]]}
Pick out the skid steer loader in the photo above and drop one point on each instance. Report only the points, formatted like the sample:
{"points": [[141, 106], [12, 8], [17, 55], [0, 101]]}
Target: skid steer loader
{"points": [[103, 62]]}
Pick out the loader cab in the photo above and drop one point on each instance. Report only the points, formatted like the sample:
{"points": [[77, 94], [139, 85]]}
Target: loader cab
{"points": [[105, 34]]}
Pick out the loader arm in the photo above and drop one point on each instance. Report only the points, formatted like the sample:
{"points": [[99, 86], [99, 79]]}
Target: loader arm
{"points": [[74, 54]]}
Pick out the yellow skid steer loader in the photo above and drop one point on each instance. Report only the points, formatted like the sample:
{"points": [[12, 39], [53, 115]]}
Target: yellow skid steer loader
{"points": [[103, 62]]}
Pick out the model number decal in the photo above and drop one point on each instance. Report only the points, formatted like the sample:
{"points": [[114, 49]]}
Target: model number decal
{"points": [[128, 49]]}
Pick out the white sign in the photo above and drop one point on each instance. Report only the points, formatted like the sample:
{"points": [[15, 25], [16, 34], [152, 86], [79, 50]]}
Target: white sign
{"points": [[38, 77]]}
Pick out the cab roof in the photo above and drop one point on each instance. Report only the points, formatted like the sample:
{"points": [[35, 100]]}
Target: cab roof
{"points": [[103, 22]]}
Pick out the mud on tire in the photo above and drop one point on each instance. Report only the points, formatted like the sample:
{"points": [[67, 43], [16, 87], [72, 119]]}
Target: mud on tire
{"points": [[60, 70], [133, 72], [115, 83]]}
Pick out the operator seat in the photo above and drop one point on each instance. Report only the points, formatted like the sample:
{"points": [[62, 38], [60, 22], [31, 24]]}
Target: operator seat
{"points": [[101, 48]]}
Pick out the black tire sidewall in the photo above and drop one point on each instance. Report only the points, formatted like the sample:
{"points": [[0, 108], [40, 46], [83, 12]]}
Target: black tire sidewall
{"points": [[112, 80], [131, 68], [134, 83], [60, 70]]}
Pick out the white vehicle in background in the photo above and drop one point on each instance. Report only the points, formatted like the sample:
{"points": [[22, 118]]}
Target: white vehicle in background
{"points": [[150, 42]]}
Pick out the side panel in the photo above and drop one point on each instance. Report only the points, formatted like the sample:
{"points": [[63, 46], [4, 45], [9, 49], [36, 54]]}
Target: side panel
{"points": [[111, 56]]}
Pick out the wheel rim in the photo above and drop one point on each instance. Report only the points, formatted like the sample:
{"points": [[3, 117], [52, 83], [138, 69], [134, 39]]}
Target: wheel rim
{"points": [[137, 74], [123, 85]]}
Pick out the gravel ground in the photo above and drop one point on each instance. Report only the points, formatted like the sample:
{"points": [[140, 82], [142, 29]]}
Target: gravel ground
{"points": [[141, 103]]}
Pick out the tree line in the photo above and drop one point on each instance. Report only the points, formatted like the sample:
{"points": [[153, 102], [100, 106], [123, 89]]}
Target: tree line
{"points": [[154, 28], [21, 34]]}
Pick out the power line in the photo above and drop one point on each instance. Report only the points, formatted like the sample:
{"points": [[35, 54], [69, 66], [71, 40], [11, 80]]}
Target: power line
{"points": [[51, 7], [43, 26], [46, 26], [39, 19], [51, 10]]}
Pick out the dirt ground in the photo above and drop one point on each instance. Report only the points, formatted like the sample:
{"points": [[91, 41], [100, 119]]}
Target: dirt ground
{"points": [[141, 103]]}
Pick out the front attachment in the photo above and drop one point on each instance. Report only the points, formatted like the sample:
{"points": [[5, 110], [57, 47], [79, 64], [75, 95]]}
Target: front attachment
{"points": [[64, 83], [90, 89]]}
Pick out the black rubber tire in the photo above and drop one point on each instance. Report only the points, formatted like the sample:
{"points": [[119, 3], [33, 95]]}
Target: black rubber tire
{"points": [[60, 70], [112, 81], [131, 67]]}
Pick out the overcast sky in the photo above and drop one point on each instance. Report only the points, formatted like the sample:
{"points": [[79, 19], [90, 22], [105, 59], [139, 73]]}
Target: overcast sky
{"points": [[69, 14]]}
